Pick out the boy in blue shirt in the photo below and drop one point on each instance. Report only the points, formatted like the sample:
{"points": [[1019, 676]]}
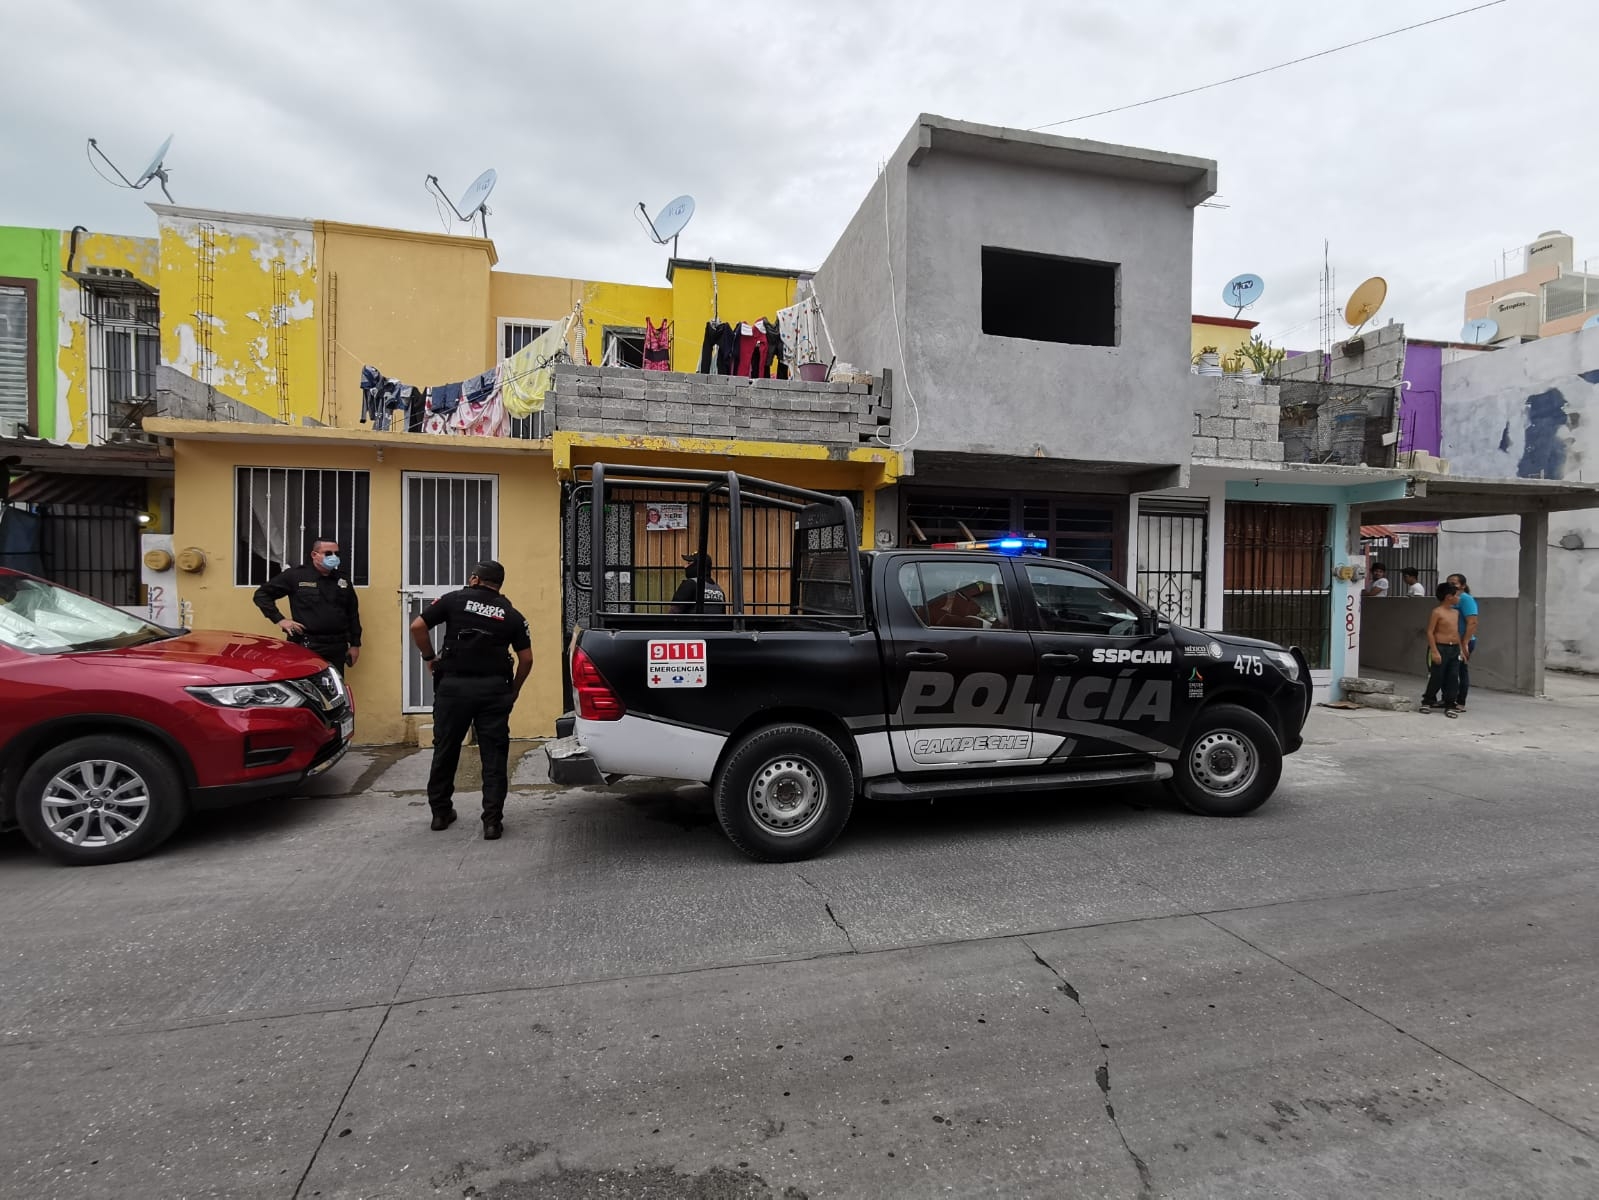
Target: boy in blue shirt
{"points": [[1466, 610]]}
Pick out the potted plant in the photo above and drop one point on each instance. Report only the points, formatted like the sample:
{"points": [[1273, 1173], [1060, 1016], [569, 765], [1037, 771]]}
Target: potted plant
{"points": [[1208, 361], [1262, 355]]}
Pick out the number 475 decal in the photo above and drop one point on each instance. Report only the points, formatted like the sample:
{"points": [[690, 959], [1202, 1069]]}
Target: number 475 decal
{"points": [[1249, 664]]}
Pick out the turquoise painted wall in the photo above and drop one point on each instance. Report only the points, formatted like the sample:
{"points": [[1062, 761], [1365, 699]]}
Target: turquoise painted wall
{"points": [[36, 254]]}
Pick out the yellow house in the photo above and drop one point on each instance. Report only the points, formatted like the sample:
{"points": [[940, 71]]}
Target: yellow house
{"points": [[266, 324], [1227, 334]]}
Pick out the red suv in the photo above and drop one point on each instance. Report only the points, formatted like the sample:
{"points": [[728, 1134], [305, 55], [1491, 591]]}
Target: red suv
{"points": [[112, 729]]}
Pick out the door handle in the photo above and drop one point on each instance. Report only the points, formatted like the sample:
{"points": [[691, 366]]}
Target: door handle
{"points": [[925, 657], [1060, 660]]}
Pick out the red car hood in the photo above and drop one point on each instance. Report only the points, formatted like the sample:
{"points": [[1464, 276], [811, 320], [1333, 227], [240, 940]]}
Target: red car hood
{"points": [[215, 654]]}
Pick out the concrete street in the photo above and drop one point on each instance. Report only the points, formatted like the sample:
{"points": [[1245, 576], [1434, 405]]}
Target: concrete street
{"points": [[1381, 985]]}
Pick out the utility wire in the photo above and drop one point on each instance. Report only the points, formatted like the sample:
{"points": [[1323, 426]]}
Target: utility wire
{"points": [[1205, 87]]}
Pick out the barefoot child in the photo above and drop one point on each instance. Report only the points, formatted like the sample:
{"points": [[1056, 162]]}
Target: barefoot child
{"points": [[1443, 652]]}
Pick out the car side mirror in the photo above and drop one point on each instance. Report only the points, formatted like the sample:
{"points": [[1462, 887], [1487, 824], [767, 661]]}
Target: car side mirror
{"points": [[1152, 624]]}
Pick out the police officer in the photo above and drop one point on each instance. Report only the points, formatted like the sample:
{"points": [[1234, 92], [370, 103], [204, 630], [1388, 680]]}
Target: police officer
{"points": [[473, 687], [698, 569], [324, 614]]}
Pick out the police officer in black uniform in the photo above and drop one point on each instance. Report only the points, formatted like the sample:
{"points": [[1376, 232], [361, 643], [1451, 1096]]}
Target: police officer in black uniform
{"points": [[688, 592], [473, 686], [324, 614]]}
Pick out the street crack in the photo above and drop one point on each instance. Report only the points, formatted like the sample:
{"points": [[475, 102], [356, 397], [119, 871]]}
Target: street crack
{"points": [[828, 905], [1101, 1072]]}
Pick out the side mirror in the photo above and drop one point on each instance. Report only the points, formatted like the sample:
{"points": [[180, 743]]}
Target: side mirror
{"points": [[1152, 624]]}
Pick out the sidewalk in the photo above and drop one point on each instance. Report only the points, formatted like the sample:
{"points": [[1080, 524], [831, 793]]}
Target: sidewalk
{"points": [[1567, 716]]}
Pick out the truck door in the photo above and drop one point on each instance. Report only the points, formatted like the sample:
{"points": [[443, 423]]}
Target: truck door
{"points": [[1107, 683], [960, 666]]}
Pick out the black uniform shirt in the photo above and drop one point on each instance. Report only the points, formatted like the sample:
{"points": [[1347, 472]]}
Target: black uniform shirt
{"points": [[324, 604], [688, 591], [482, 625]]}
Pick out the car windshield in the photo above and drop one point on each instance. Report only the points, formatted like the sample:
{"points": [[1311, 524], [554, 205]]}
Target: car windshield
{"points": [[40, 618]]}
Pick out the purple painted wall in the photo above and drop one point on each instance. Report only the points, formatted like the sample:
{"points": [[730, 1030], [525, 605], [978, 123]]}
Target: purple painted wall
{"points": [[1421, 407]]}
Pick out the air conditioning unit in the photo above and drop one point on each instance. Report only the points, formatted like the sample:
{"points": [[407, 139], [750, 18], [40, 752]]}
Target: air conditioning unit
{"points": [[1517, 315]]}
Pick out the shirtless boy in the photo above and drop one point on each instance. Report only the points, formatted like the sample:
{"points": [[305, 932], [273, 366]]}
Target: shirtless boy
{"points": [[1444, 652]]}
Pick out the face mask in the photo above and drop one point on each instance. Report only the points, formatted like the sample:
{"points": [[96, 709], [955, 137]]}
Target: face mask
{"points": [[330, 561]]}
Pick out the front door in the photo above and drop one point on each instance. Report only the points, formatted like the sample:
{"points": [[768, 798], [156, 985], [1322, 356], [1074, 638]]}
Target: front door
{"points": [[1104, 684], [961, 665], [451, 523]]}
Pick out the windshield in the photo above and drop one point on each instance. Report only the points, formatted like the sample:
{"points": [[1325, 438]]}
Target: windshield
{"points": [[40, 618]]}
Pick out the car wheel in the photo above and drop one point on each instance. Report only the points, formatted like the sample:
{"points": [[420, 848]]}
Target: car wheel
{"points": [[784, 793], [100, 800], [1230, 764]]}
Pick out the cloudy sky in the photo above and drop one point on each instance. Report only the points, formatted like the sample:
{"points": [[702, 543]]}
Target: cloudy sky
{"points": [[1421, 157]]}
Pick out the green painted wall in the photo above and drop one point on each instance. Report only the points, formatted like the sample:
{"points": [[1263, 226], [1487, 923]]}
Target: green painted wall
{"points": [[36, 254]]}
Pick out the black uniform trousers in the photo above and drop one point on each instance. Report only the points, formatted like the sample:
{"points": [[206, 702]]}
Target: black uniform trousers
{"points": [[462, 702], [336, 653]]}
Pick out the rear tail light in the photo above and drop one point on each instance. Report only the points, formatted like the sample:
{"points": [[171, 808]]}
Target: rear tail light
{"points": [[595, 699]]}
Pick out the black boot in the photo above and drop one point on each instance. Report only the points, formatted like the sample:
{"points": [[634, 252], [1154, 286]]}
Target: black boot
{"points": [[492, 829], [443, 820]]}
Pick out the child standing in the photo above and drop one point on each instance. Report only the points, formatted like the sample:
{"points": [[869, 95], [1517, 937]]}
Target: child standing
{"points": [[1443, 652]]}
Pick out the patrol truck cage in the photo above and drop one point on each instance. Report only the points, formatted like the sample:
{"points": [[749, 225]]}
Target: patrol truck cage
{"points": [[785, 557]]}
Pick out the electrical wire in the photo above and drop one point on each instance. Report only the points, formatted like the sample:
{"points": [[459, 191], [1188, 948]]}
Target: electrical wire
{"points": [[893, 298], [1293, 62]]}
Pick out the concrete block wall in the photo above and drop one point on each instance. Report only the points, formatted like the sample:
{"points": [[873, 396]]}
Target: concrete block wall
{"points": [[1377, 361], [622, 400], [1237, 421]]}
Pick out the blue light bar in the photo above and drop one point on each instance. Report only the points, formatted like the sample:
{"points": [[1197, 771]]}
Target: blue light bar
{"points": [[1013, 544]]}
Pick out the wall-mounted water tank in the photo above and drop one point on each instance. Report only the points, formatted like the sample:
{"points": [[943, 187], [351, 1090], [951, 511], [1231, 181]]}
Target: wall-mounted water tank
{"points": [[1552, 249], [1517, 315]]}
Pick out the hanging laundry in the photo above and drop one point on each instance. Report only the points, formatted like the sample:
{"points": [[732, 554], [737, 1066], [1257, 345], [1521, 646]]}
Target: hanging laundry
{"points": [[478, 388], [443, 399], [526, 376], [719, 353], [485, 417], [751, 351], [774, 350], [372, 385], [435, 424], [799, 326], [416, 408], [657, 346]]}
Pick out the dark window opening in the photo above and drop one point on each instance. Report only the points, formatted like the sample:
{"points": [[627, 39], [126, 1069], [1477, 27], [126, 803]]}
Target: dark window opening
{"points": [[624, 348], [1046, 299]]}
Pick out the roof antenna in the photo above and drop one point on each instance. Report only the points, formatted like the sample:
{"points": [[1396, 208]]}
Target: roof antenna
{"points": [[157, 169]]}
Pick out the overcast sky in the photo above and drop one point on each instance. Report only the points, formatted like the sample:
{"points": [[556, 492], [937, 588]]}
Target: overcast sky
{"points": [[1420, 158]]}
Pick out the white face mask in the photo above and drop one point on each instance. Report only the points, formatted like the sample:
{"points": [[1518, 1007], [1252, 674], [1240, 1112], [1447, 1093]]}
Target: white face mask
{"points": [[330, 561]]}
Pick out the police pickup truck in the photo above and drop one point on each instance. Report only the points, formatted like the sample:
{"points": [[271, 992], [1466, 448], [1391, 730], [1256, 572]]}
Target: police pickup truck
{"points": [[831, 673]]}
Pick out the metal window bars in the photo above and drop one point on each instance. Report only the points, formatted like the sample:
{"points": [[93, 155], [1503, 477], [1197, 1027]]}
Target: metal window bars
{"points": [[779, 553], [278, 510]]}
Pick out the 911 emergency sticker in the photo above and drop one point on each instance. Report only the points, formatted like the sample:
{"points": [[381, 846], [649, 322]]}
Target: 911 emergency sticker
{"points": [[676, 664]]}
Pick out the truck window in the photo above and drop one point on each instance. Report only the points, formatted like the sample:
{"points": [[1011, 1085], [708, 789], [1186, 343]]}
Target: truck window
{"points": [[1073, 602], [956, 595]]}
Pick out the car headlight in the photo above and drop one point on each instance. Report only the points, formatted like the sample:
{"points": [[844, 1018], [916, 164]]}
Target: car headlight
{"points": [[249, 695], [1285, 663]]}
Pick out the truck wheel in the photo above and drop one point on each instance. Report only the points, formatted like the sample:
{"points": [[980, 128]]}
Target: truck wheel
{"points": [[784, 793], [1231, 763], [101, 799]]}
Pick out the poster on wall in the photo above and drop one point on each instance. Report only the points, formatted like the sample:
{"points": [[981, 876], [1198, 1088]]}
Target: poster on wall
{"points": [[659, 517]]}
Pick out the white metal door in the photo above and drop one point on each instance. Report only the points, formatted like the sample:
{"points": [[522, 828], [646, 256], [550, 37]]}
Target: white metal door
{"points": [[450, 523]]}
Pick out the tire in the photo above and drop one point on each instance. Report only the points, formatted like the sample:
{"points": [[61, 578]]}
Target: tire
{"points": [[784, 793], [97, 832], [1230, 765]]}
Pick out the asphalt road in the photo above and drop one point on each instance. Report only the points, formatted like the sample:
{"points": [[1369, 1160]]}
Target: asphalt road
{"points": [[1382, 984]]}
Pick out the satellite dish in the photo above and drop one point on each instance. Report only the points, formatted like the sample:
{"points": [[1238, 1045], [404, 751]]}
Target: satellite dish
{"points": [[670, 221], [1479, 332], [474, 201], [157, 169], [1592, 322], [1365, 301], [1243, 290]]}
